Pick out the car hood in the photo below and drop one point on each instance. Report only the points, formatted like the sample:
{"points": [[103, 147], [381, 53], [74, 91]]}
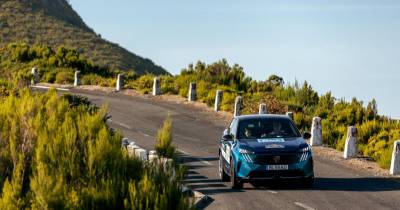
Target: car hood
{"points": [[273, 145]]}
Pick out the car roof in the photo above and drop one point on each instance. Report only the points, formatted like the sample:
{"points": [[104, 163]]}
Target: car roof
{"points": [[262, 116]]}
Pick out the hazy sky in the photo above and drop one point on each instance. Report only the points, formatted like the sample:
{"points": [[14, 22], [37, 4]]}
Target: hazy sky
{"points": [[349, 47]]}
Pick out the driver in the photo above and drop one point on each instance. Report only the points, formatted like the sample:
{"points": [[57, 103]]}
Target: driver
{"points": [[276, 128], [248, 133]]}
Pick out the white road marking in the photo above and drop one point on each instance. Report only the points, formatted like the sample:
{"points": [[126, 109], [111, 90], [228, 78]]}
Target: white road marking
{"points": [[304, 206], [121, 124], [183, 152], [45, 87], [144, 134], [205, 162], [271, 191]]}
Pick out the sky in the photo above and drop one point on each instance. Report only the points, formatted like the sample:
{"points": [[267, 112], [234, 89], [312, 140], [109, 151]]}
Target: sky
{"points": [[348, 47]]}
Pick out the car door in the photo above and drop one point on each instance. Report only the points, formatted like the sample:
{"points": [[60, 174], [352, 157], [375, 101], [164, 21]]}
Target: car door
{"points": [[226, 146]]}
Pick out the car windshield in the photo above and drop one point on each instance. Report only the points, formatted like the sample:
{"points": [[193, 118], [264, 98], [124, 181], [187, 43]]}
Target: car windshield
{"points": [[263, 128]]}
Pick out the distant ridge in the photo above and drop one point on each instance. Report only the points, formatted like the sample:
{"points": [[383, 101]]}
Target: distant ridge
{"points": [[55, 23]]}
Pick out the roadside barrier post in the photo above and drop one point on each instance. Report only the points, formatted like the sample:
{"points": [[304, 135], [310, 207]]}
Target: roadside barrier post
{"points": [[290, 115], [156, 87], [120, 82], [192, 92], [77, 80], [395, 164], [35, 76], [238, 106], [218, 100], [316, 132], [262, 109], [152, 155], [350, 147]]}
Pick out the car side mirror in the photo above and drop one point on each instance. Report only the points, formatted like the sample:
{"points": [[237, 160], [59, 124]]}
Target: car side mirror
{"points": [[227, 137], [306, 135]]}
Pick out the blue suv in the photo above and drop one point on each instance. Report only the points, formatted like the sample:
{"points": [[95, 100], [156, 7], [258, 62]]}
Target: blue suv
{"points": [[264, 147]]}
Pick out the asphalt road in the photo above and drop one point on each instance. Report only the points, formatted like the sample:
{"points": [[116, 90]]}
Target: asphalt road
{"points": [[196, 135]]}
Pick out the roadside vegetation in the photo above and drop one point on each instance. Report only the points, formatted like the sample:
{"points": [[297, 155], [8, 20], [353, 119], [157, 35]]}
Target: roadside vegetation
{"points": [[376, 133], [58, 153]]}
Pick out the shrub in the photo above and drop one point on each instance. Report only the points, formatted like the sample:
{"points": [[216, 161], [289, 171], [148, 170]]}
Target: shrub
{"points": [[93, 79], [167, 85], [145, 83], [64, 77], [163, 145], [62, 155]]}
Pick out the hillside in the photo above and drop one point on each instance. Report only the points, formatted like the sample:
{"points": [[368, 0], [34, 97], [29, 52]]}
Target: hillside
{"points": [[55, 23]]}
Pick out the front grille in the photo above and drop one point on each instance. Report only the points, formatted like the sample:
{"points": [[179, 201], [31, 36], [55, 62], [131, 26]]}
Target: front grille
{"points": [[284, 159], [276, 174]]}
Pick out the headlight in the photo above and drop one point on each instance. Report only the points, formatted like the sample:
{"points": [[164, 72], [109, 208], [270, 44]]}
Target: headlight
{"points": [[305, 152], [306, 149], [245, 151], [246, 154]]}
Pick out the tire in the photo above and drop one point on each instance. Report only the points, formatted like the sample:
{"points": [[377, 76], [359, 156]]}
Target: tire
{"points": [[235, 182], [222, 174]]}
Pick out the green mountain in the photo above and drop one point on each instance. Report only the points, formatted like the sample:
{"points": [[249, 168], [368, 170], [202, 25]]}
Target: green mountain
{"points": [[55, 23]]}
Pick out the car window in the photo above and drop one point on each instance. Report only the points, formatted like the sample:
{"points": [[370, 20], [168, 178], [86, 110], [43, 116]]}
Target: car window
{"points": [[262, 128]]}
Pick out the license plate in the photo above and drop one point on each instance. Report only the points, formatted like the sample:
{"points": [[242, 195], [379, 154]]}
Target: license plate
{"points": [[277, 167]]}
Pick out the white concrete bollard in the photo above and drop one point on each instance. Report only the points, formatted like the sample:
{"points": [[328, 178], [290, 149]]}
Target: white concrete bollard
{"points": [[153, 155], [218, 100], [156, 87], [192, 92], [395, 164], [262, 109], [316, 132], [120, 82], [350, 147], [141, 154], [131, 149], [77, 80], [35, 75], [238, 106], [290, 115]]}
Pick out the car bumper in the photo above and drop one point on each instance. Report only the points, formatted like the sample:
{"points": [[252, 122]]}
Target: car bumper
{"points": [[248, 171]]}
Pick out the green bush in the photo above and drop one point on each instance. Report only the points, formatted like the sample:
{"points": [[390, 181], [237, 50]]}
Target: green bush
{"points": [[59, 153], [168, 85], [164, 145], [145, 83], [93, 79], [64, 77]]}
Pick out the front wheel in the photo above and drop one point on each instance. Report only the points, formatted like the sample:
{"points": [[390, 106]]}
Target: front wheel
{"points": [[235, 181], [222, 175]]}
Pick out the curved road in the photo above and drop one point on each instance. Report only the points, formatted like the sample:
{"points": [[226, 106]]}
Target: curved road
{"points": [[196, 135]]}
